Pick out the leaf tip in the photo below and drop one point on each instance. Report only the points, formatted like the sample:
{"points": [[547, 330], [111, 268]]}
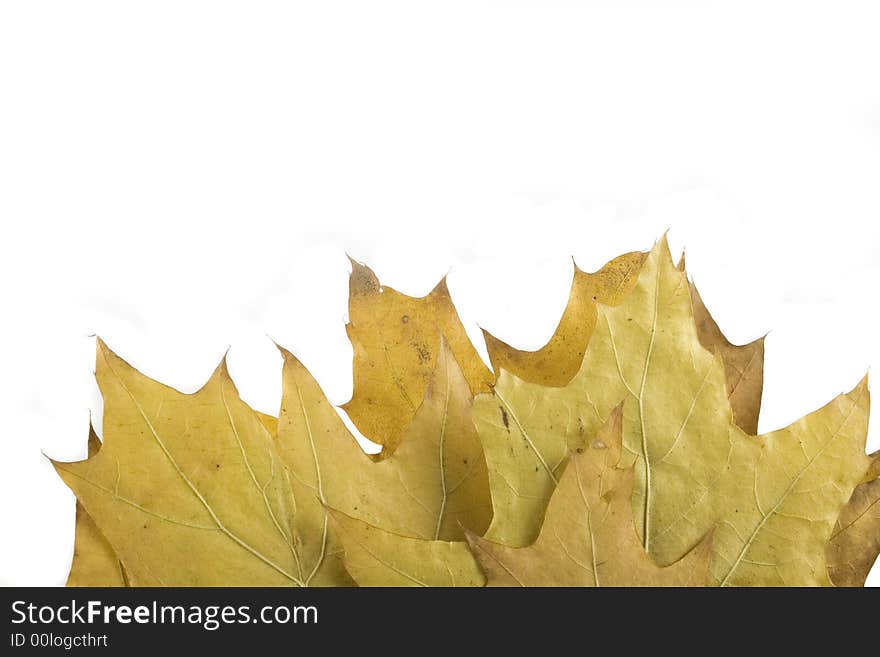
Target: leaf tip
{"points": [[94, 443], [295, 368], [107, 360], [284, 352], [470, 538], [862, 386], [362, 280], [102, 350], [661, 248], [288, 356], [442, 287], [493, 344], [222, 368]]}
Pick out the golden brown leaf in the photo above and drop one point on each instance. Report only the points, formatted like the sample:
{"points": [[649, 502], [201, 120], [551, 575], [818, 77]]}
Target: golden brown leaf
{"points": [[873, 471], [396, 339], [558, 361], [855, 542]]}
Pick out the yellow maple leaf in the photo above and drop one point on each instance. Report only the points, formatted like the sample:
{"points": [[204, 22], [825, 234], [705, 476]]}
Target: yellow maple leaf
{"points": [[432, 486], [694, 467], [94, 561], [187, 488]]}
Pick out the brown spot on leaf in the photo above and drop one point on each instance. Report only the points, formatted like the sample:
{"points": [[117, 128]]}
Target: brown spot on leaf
{"points": [[504, 418], [422, 352]]}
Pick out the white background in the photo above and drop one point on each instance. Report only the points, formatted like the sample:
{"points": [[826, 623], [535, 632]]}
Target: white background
{"points": [[180, 177]]}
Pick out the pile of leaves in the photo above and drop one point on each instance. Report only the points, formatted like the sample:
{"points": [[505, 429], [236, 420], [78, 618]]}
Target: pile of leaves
{"points": [[622, 453]]}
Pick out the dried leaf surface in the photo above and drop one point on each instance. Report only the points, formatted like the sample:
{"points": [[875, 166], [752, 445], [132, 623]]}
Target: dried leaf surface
{"points": [[94, 561], [588, 537], [556, 363], [743, 366], [855, 542], [693, 466], [248, 497], [432, 486], [195, 475], [396, 340], [560, 359], [376, 557]]}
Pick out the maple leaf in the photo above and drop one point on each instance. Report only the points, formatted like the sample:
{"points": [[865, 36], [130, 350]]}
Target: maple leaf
{"points": [[188, 489], [396, 340], [855, 542], [94, 561], [376, 557], [693, 466], [432, 486], [588, 537]]}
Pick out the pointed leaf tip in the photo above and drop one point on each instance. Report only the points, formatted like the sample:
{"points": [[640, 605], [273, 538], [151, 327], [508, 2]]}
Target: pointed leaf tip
{"points": [[222, 369], [362, 279], [290, 357], [102, 349], [442, 287], [861, 388]]}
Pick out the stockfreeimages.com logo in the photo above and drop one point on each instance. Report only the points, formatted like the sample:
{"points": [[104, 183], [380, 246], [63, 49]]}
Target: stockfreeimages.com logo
{"points": [[209, 617]]}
